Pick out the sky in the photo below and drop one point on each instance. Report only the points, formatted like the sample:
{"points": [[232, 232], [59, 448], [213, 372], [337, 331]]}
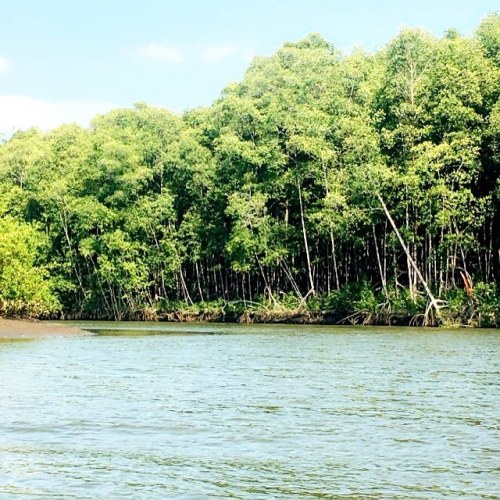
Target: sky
{"points": [[65, 61]]}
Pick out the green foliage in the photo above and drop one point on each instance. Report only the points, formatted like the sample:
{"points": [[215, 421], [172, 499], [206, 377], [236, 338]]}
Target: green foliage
{"points": [[487, 300], [488, 34], [480, 310], [26, 288], [267, 205]]}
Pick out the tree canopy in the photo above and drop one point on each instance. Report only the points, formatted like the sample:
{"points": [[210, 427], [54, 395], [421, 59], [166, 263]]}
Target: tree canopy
{"points": [[281, 192]]}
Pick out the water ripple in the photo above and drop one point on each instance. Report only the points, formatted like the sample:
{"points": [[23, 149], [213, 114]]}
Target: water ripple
{"points": [[251, 413]]}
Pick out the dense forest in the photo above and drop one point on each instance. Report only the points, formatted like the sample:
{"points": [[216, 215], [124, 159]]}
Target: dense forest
{"points": [[359, 188]]}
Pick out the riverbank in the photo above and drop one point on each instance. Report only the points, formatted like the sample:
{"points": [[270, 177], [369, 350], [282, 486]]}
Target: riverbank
{"points": [[347, 306], [292, 317], [351, 305], [228, 313], [29, 329]]}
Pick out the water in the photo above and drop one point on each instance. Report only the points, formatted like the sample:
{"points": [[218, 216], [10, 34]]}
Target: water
{"points": [[251, 412]]}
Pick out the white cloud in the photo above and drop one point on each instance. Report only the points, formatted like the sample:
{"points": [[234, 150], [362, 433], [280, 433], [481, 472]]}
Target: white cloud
{"points": [[215, 53], [4, 64], [21, 112], [159, 52]]}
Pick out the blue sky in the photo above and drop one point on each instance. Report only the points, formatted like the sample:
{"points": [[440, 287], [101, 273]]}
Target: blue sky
{"points": [[66, 60]]}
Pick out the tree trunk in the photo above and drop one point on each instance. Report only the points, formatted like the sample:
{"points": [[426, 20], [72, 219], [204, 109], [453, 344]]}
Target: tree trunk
{"points": [[379, 262], [433, 301], [306, 245]]}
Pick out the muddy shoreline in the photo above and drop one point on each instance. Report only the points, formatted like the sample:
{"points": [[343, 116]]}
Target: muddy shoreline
{"points": [[32, 329]]}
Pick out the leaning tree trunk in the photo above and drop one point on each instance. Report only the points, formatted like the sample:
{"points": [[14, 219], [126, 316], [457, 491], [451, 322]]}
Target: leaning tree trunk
{"points": [[434, 303], [306, 244]]}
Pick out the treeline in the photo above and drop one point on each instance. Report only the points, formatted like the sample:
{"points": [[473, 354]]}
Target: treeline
{"points": [[358, 188]]}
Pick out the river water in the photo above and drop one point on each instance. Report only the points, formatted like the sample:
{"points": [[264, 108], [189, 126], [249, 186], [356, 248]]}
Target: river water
{"points": [[192, 411]]}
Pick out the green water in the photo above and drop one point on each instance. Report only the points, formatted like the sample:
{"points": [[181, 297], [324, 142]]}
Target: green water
{"points": [[167, 411]]}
